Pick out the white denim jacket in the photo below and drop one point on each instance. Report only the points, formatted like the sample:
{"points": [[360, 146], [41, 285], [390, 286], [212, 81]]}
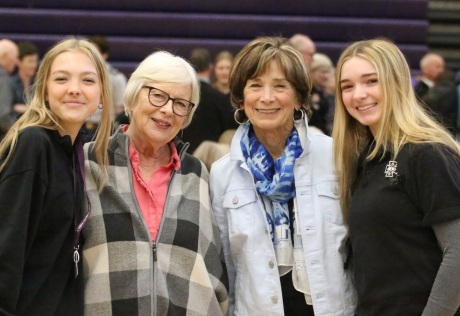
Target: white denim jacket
{"points": [[255, 287]]}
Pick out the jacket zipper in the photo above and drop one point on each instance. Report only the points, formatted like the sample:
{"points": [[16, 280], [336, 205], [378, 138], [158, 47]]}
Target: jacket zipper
{"points": [[154, 246]]}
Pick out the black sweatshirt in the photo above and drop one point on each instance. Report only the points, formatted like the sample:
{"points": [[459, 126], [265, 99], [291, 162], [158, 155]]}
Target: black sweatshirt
{"points": [[37, 220]]}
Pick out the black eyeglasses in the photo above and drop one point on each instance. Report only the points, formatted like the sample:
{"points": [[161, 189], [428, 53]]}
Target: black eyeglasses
{"points": [[159, 98]]}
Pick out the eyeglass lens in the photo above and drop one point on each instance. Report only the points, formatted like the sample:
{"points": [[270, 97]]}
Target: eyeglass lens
{"points": [[160, 98]]}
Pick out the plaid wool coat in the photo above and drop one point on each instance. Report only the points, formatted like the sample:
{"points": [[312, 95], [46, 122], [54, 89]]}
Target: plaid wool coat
{"points": [[182, 273]]}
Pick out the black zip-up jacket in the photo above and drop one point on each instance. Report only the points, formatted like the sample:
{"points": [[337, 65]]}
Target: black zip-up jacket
{"points": [[38, 203]]}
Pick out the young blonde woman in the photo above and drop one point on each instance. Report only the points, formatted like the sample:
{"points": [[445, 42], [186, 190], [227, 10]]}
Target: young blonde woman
{"points": [[42, 184], [399, 177], [222, 65]]}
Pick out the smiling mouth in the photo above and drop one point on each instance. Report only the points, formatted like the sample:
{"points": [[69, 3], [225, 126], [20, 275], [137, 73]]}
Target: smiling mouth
{"points": [[161, 123], [365, 107], [73, 103], [267, 111]]}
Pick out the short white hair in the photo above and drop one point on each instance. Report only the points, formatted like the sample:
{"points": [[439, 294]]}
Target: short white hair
{"points": [[7, 47], [162, 67], [301, 42], [428, 59]]}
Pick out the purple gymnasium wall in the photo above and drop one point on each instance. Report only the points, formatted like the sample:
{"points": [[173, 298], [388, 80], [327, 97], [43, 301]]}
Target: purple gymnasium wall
{"points": [[137, 28]]}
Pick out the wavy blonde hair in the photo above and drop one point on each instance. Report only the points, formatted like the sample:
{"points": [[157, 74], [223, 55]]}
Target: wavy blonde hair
{"points": [[40, 114], [403, 119]]}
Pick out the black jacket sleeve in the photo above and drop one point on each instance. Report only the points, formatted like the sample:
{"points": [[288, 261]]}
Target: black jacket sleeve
{"points": [[22, 192]]}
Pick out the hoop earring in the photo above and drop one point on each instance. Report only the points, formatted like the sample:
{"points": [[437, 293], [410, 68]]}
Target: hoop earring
{"points": [[298, 121], [100, 106], [235, 116]]}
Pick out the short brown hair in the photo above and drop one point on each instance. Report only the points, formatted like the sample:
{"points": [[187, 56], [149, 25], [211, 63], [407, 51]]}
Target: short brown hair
{"points": [[254, 59], [26, 49], [200, 59]]}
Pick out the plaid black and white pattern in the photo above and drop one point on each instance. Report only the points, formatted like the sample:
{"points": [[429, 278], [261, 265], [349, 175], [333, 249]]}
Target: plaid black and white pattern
{"points": [[122, 278]]}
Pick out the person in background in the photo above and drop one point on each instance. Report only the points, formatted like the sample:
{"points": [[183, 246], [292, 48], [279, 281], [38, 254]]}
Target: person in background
{"points": [[432, 66], [321, 70], [152, 245], [222, 66], [23, 80], [305, 46], [8, 61], [215, 114], [117, 83], [399, 175], [275, 196], [442, 99], [42, 184], [436, 88]]}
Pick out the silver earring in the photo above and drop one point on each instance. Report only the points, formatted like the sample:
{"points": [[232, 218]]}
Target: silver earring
{"points": [[298, 121], [100, 106], [235, 116]]}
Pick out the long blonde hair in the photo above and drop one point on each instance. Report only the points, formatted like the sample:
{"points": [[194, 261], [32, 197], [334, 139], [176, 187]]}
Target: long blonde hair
{"points": [[40, 114], [403, 119]]}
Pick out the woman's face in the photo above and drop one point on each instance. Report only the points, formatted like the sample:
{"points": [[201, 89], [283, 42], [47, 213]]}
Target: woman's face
{"points": [[73, 88], [361, 92], [222, 70], [158, 125], [28, 65], [320, 76], [270, 100]]}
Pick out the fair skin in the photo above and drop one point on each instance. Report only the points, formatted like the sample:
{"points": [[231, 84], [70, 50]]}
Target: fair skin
{"points": [[8, 55], [433, 67], [308, 51], [305, 46], [269, 103], [321, 76], [222, 71], [152, 128], [361, 92], [73, 91], [27, 67]]}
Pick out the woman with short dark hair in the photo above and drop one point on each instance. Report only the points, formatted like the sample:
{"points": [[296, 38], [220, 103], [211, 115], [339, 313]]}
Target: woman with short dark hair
{"points": [[275, 195], [23, 81]]}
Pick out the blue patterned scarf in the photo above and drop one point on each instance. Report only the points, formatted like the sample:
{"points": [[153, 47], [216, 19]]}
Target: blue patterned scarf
{"points": [[274, 179]]}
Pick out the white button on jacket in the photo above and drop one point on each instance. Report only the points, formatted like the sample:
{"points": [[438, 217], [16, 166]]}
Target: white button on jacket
{"points": [[255, 287]]}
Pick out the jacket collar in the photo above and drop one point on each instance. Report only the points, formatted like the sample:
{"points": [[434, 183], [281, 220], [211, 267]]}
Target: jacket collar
{"points": [[65, 142], [302, 128]]}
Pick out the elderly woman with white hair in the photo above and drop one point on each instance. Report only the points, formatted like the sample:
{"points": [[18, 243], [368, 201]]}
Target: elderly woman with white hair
{"points": [[152, 244]]}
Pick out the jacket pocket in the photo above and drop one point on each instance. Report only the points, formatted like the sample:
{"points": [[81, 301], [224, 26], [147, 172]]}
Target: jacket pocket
{"points": [[239, 205], [328, 192]]}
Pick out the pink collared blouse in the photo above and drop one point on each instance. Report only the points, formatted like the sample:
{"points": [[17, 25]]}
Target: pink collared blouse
{"points": [[152, 196]]}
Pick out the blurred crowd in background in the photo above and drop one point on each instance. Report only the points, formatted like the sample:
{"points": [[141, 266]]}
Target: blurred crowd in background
{"points": [[213, 125]]}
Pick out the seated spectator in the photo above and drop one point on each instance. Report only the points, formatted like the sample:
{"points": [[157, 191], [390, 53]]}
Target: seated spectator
{"points": [[323, 107], [24, 79], [8, 61], [215, 114], [209, 152]]}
